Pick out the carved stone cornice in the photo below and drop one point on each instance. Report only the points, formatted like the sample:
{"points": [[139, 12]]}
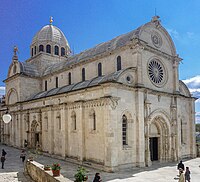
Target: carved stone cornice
{"points": [[35, 110], [56, 107], [159, 53]]}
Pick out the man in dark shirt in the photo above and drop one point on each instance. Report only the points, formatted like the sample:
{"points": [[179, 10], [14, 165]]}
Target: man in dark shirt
{"points": [[3, 152], [181, 165]]}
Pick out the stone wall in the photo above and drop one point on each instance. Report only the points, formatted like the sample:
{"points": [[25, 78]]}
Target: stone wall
{"points": [[37, 173]]}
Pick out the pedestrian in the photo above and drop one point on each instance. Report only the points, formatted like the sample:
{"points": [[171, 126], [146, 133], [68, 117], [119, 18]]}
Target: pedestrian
{"points": [[181, 165], [97, 178], [187, 174], [181, 176], [2, 161], [25, 143], [3, 152], [23, 155]]}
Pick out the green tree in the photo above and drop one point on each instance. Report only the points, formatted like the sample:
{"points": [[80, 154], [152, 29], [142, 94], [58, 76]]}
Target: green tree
{"points": [[198, 127]]}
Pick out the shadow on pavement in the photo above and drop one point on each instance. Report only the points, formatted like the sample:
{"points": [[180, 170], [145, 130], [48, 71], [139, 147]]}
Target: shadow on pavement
{"points": [[22, 177]]}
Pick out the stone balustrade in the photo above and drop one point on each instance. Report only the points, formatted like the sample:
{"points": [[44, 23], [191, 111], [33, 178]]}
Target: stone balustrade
{"points": [[36, 171]]}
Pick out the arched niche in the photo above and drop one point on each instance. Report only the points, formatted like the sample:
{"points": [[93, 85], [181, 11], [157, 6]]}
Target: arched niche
{"points": [[12, 96]]}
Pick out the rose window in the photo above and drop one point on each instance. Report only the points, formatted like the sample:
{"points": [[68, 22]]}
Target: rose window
{"points": [[156, 72]]}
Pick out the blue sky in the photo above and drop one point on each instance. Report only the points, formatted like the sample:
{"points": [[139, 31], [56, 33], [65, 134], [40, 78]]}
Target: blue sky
{"points": [[90, 22]]}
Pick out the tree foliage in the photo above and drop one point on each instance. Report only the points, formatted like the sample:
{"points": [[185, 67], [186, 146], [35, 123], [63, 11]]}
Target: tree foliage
{"points": [[198, 127]]}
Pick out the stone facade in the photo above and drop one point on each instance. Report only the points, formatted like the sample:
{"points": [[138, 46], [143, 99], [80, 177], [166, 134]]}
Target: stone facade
{"points": [[117, 105]]}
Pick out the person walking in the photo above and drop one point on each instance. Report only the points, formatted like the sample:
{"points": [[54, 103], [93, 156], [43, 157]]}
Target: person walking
{"points": [[2, 161], [181, 165], [181, 176], [25, 143], [4, 153], [97, 178], [187, 174], [23, 155]]}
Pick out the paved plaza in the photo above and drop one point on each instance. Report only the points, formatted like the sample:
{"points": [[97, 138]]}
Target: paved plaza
{"points": [[14, 168]]}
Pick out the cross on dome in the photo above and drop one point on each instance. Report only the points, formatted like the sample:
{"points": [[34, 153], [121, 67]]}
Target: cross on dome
{"points": [[51, 20]]}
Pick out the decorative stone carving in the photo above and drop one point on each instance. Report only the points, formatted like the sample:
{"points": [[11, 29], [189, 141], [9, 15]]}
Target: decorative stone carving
{"points": [[156, 39], [156, 72]]}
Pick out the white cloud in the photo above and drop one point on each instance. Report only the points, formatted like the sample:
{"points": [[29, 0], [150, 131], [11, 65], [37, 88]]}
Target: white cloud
{"points": [[194, 86], [190, 35], [173, 33], [197, 115], [2, 90], [183, 37], [193, 82]]}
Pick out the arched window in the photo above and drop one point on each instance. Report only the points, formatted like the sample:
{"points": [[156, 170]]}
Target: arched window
{"points": [[182, 132], [124, 130], [119, 66], [94, 121], [32, 52], [69, 78], [99, 69], [58, 117], [45, 85], [48, 49], [35, 50], [56, 82], [73, 116], [56, 50], [41, 48], [46, 122], [83, 74], [14, 69], [62, 51]]}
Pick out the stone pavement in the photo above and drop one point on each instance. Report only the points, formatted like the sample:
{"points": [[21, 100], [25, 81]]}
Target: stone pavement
{"points": [[13, 168], [158, 172]]}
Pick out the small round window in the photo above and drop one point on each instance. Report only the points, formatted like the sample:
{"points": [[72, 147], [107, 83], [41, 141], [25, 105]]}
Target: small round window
{"points": [[156, 72]]}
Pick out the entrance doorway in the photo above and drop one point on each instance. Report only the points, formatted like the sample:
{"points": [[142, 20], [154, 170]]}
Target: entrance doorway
{"points": [[36, 139], [153, 148]]}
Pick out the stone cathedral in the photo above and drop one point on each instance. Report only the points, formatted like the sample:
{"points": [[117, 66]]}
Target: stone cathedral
{"points": [[119, 104]]}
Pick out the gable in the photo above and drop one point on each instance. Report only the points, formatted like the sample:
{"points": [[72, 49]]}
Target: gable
{"points": [[157, 37]]}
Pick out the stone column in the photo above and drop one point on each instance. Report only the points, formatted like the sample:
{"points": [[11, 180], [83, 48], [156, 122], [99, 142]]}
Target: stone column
{"points": [[192, 128], [137, 54], [20, 130], [64, 122], [110, 134], [82, 115], [51, 130], [67, 130], [147, 130], [140, 145], [13, 129], [174, 135], [175, 72], [40, 134], [28, 129]]}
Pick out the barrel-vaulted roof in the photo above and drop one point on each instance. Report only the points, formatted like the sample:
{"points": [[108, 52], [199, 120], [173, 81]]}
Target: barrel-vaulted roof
{"points": [[113, 44], [28, 69], [113, 77]]}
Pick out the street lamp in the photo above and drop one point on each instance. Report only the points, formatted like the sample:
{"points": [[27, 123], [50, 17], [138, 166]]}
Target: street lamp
{"points": [[7, 117]]}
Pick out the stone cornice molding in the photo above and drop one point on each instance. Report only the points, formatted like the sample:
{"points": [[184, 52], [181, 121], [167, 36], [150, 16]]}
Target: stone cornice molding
{"points": [[56, 107], [158, 52], [35, 111], [103, 101]]}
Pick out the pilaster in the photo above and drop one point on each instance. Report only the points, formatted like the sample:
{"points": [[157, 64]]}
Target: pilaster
{"points": [[140, 145], [176, 61], [137, 54]]}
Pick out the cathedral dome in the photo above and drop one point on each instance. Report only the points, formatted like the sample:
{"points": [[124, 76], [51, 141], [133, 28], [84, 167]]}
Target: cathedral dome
{"points": [[50, 33], [51, 40]]}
